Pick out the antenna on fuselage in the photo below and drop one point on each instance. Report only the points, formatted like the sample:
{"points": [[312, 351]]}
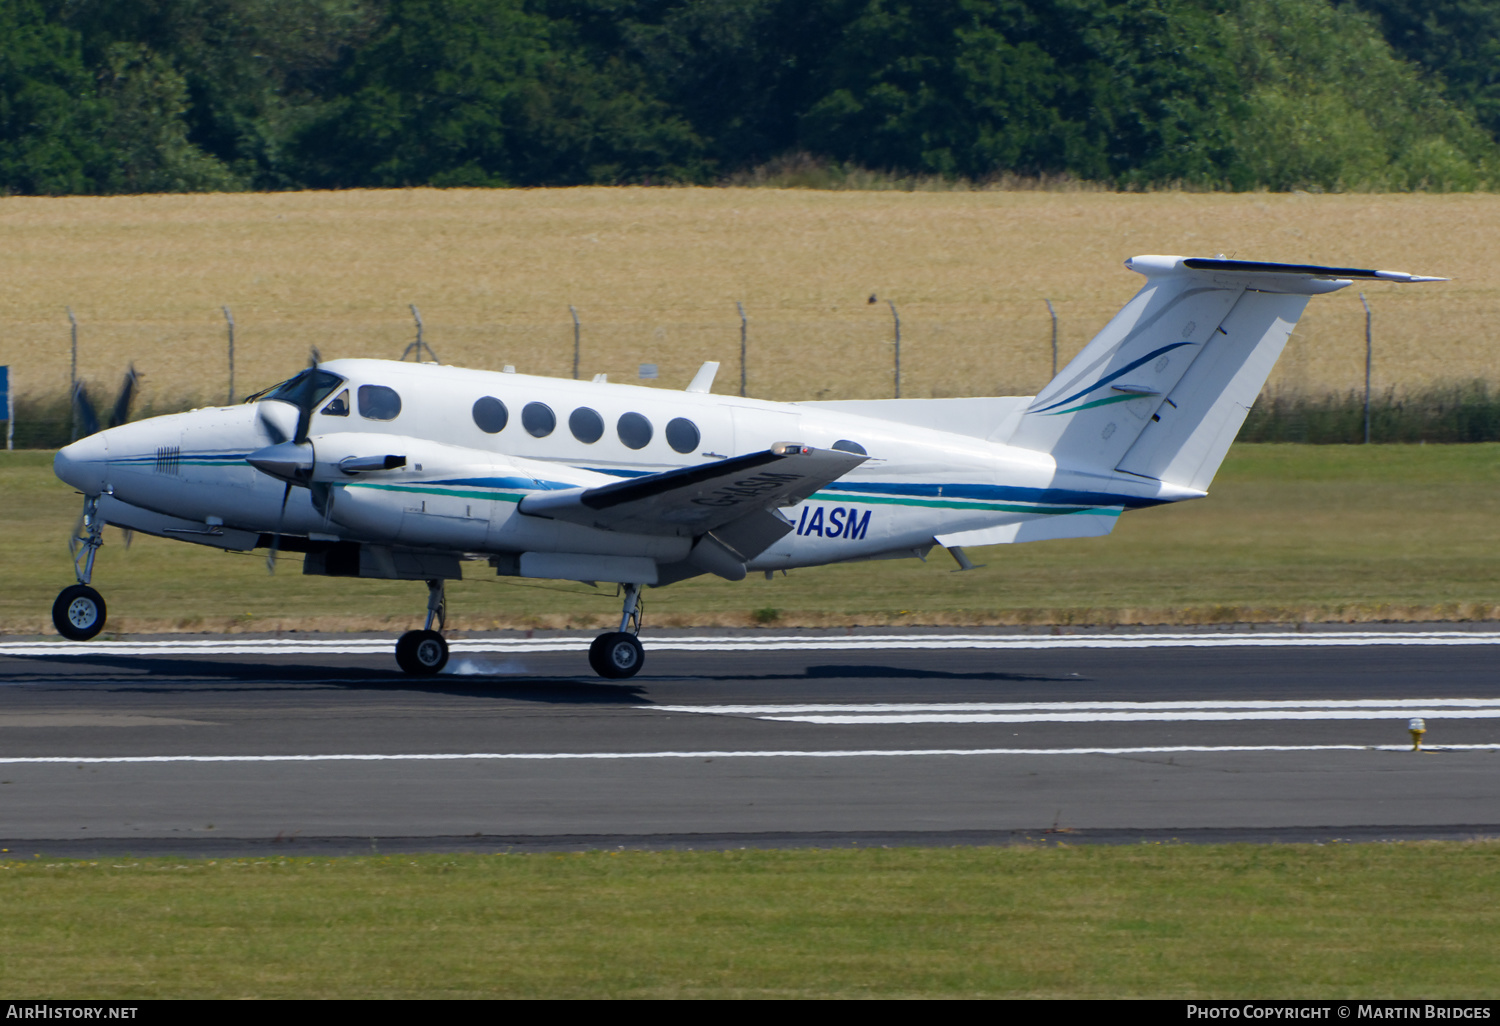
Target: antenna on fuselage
{"points": [[418, 345]]}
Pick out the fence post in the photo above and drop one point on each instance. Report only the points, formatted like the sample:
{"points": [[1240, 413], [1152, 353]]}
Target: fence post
{"points": [[1053, 314], [743, 322], [1369, 350], [575, 340], [73, 377], [897, 318], [229, 317], [10, 409], [418, 345]]}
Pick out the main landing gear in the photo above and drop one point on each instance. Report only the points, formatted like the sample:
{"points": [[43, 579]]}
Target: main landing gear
{"points": [[79, 612], [618, 654], [425, 652]]}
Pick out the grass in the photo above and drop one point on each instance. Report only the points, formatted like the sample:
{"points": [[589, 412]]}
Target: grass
{"points": [[655, 274], [1456, 412], [1368, 921], [1290, 533]]}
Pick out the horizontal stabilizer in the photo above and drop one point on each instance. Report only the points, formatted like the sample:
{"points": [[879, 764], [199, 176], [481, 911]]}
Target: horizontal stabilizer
{"points": [[1303, 270], [695, 500]]}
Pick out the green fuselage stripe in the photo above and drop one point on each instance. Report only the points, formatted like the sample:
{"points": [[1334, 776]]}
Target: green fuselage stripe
{"points": [[867, 500]]}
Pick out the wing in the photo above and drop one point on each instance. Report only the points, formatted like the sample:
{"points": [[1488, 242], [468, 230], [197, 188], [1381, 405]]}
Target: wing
{"points": [[696, 500]]}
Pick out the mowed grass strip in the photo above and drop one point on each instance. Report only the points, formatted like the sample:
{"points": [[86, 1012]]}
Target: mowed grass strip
{"points": [[655, 274], [1289, 533], [1369, 921]]}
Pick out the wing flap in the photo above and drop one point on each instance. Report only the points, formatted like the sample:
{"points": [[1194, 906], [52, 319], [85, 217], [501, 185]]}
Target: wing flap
{"points": [[695, 500]]}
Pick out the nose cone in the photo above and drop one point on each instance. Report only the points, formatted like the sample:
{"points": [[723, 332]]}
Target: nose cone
{"points": [[84, 464]]}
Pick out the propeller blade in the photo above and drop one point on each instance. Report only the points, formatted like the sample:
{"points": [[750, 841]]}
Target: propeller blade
{"points": [[273, 434], [276, 538], [305, 398], [121, 413], [84, 416], [128, 535], [322, 498]]}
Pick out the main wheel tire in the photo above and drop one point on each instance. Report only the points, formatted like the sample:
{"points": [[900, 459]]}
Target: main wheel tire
{"points": [[616, 655], [78, 614], [422, 653]]}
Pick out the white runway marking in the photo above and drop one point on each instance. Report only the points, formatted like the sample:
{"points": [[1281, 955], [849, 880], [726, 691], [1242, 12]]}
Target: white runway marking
{"points": [[1109, 712], [836, 754], [762, 643]]}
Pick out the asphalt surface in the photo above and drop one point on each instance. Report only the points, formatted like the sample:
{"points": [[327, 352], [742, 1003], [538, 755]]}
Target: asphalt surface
{"points": [[252, 747]]}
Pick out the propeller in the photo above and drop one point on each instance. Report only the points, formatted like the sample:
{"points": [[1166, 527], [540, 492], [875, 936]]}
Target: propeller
{"points": [[292, 459], [121, 412], [87, 418]]}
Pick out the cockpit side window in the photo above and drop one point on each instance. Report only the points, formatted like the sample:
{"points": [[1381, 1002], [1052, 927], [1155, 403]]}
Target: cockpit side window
{"points": [[291, 390], [339, 407], [376, 402]]}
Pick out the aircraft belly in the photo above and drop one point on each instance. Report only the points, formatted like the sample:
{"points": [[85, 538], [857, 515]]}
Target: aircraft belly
{"points": [[517, 532]]}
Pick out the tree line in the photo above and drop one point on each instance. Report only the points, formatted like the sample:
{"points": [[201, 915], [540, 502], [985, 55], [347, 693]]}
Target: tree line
{"points": [[129, 96]]}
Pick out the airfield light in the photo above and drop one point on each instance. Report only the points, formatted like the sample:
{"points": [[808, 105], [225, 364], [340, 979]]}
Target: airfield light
{"points": [[1418, 727]]}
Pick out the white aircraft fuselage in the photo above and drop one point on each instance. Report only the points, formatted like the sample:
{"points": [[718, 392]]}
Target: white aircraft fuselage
{"points": [[461, 486]]}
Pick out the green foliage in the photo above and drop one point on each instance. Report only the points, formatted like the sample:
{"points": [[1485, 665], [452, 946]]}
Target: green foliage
{"points": [[1102, 90], [1456, 41], [1329, 108], [481, 93], [49, 117], [251, 72], [169, 95], [146, 134]]}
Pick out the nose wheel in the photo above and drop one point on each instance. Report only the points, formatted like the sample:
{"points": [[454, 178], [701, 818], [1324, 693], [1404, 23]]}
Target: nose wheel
{"points": [[79, 612], [619, 654]]}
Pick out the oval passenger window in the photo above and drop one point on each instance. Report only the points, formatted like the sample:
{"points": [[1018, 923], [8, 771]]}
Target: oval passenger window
{"points": [[634, 430], [682, 435], [538, 419], [376, 402], [490, 415], [586, 425]]}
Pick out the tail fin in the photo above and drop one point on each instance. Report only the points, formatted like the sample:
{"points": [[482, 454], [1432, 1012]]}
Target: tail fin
{"points": [[1164, 388]]}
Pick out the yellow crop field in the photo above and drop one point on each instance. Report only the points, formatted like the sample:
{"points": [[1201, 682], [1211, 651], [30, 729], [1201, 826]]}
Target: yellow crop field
{"points": [[655, 274]]}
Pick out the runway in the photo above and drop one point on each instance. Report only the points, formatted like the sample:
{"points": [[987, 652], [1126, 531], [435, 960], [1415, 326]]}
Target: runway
{"points": [[315, 744]]}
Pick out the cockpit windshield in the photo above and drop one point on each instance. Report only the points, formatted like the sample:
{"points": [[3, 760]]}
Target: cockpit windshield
{"points": [[291, 390]]}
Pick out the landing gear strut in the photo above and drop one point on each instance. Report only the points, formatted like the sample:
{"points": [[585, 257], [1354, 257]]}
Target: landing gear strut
{"points": [[618, 654], [425, 652], [79, 612]]}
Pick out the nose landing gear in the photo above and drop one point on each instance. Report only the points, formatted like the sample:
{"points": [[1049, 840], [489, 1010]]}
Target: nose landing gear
{"points": [[425, 652], [79, 612], [619, 654]]}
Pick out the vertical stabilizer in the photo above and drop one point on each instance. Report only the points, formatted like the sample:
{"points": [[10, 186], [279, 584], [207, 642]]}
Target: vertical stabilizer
{"points": [[1090, 415], [1162, 391]]}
